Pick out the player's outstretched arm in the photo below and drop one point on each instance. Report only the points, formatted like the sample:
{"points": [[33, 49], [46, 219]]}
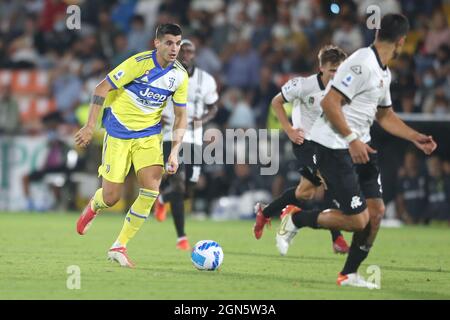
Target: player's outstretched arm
{"points": [[296, 135], [179, 127], [84, 135], [390, 122]]}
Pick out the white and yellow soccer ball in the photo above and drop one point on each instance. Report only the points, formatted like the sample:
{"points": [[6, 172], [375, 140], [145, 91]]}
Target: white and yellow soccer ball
{"points": [[207, 255]]}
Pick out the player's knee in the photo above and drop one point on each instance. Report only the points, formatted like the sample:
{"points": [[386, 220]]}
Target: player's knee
{"points": [[377, 213], [110, 197], [304, 194], [360, 221]]}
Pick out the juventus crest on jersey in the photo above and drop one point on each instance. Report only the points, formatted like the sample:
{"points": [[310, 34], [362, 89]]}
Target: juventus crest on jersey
{"points": [[364, 82], [202, 90]]}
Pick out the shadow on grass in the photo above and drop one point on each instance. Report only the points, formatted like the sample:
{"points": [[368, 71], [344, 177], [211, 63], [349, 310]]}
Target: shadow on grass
{"points": [[413, 269], [278, 256]]}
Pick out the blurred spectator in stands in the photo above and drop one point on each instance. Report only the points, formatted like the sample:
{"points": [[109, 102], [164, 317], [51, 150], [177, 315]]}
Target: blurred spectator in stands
{"points": [[403, 81], [122, 12], [59, 37], [206, 58], [242, 69], [244, 180], [386, 6], [9, 112], [50, 18], [427, 85], [438, 33], [150, 11], [57, 160], [121, 52], [4, 58], [262, 98], [411, 190], [437, 191], [436, 102], [286, 41], [408, 104], [176, 8], [441, 63], [348, 35], [242, 116], [66, 88], [22, 50], [139, 36], [106, 33], [261, 35], [209, 6]]}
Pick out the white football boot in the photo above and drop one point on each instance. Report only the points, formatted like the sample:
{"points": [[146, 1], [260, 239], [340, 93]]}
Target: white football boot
{"points": [[285, 234], [120, 255], [355, 280]]}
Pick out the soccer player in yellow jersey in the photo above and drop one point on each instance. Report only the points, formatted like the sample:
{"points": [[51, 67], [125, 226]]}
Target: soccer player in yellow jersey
{"points": [[133, 96]]}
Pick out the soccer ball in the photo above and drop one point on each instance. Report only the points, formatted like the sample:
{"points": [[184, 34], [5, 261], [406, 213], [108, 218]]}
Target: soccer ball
{"points": [[207, 255]]}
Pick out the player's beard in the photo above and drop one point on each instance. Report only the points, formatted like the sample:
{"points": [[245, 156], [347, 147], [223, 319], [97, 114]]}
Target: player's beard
{"points": [[396, 51]]}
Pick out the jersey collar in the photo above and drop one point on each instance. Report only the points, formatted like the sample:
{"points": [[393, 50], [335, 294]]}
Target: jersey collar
{"points": [[155, 61], [319, 80], [378, 57]]}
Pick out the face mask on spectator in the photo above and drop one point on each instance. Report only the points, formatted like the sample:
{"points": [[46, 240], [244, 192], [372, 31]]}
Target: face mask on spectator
{"points": [[59, 26], [428, 81], [52, 135]]}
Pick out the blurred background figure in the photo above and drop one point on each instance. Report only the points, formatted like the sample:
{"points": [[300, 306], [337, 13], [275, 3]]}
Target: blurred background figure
{"points": [[411, 191], [250, 47], [437, 191]]}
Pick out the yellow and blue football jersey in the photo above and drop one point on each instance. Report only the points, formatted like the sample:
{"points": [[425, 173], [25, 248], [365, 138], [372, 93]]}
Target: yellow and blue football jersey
{"points": [[142, 86]]}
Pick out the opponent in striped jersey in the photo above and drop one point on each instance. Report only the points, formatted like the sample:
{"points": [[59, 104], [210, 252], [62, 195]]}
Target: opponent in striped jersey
{"points": [[201, 107]]}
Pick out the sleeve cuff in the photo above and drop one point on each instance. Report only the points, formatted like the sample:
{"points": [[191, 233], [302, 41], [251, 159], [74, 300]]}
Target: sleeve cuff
{"points": [[343, 94], [384, 107], [179, 104], [111, 82], [284, 98]]}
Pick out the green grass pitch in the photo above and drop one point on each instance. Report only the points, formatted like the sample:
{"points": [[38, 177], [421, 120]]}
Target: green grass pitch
{"points": [[37, 249]]}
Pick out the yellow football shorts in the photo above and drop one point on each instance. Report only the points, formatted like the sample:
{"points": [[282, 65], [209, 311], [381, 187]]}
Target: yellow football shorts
{"points": [[119, 154]]}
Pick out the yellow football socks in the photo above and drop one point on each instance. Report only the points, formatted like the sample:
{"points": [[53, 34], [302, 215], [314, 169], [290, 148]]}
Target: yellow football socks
{"points": [[136, 216], [97, 201]]}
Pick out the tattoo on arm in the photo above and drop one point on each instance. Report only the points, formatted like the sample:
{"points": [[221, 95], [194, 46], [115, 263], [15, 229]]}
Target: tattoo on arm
{"points": [[98, 100]]}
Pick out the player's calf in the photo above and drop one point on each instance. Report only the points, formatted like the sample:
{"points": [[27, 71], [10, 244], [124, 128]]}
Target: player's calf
{"points": [[260, 221]]}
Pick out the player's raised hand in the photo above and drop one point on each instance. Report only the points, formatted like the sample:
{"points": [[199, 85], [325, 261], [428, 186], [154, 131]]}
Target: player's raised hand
{"points": [[172, 164], [425, 143], [84, 136], [296, 135], [359, 151]]}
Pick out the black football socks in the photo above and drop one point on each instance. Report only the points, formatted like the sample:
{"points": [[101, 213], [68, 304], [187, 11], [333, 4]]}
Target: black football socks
{"points": [[288, 197]]}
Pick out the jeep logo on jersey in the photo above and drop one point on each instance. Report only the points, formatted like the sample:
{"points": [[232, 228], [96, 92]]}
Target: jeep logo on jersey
{"points": [[148, 93]]}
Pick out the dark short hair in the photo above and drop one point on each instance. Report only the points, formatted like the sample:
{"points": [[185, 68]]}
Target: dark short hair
{"points": [[331, 54], [393, 27], [168, 28]]}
